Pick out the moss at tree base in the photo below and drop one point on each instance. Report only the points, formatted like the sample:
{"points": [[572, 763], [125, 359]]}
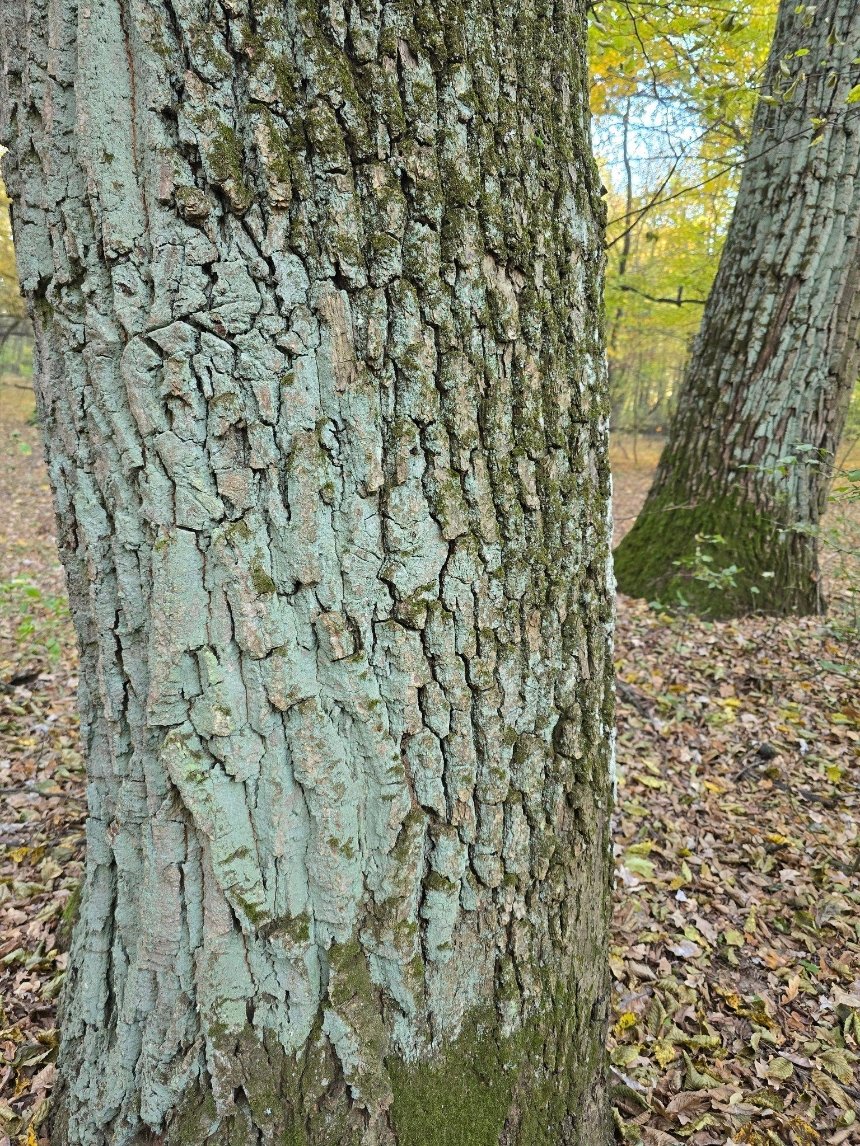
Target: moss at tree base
{"points": [[759, 565], [462, 1097], [543, 1085]]}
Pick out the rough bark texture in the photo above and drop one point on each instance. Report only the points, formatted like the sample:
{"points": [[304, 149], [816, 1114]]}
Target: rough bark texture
{"points": [[777, 355], [316, 297]]}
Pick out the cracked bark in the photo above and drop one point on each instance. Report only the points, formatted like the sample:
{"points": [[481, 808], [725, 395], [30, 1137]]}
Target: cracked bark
{"points": [[316, 292], [777, 356]]}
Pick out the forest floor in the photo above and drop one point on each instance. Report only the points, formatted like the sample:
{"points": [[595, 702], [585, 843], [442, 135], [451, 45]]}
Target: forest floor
{"points": [[736, 931]]}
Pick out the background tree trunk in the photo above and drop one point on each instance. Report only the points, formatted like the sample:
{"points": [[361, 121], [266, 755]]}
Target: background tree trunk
{"points": [[777, 354], [316, 291]]}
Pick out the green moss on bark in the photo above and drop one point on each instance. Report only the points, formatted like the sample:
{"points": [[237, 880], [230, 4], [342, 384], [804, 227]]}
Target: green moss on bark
{"points": [[776, 567], [461, 1098], [530, 1088]]}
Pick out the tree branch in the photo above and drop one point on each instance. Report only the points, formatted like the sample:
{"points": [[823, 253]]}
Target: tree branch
{"points": [[678, 301]]}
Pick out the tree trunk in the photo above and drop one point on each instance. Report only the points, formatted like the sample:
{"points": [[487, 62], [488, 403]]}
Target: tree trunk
{"points": [[316, 291], [777, 354]]}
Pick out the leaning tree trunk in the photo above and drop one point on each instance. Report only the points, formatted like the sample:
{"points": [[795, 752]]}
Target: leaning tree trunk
{"points": [[777, 355], [316, 291]]}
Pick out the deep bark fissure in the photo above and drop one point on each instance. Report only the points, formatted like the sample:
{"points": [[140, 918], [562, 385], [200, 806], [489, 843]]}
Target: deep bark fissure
{"points": [[317, 303], [777, 355]]}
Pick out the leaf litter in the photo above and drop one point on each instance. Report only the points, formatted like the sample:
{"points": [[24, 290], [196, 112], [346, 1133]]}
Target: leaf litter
{"points": [[42, 797], [735, 954]]}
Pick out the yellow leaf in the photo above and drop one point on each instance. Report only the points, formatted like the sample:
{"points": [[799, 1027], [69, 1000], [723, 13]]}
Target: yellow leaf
{"points": [[712, 787], [624, 1055], [642, 848], [780, 1068], [838, 1063], [664, 1052], [640, 866], [831, 1089], [627, 1020], [649, 781]]}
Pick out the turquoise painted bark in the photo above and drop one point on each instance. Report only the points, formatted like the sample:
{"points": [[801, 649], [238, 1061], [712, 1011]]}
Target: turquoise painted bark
{"points": [[316, 291], [778, 353]]}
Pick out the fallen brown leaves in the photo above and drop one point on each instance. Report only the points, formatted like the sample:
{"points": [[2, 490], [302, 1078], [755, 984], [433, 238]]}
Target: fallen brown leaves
{"points": [[41, 841], [735, 956], [41, 779]]}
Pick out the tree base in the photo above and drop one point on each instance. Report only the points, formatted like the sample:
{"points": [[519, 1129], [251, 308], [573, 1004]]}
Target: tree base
{"points": [[719, 559], [543, 1085]]}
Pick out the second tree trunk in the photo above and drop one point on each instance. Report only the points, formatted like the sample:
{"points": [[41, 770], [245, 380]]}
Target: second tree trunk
{"points": [[730, 524]]}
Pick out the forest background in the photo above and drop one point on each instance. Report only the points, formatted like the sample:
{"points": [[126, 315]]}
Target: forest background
{"points": [[674, 88]]}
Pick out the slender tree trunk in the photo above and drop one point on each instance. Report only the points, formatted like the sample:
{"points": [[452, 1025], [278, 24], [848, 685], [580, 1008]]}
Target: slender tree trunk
{"points": [[316, 290], [616, 390], [777, 355]]}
